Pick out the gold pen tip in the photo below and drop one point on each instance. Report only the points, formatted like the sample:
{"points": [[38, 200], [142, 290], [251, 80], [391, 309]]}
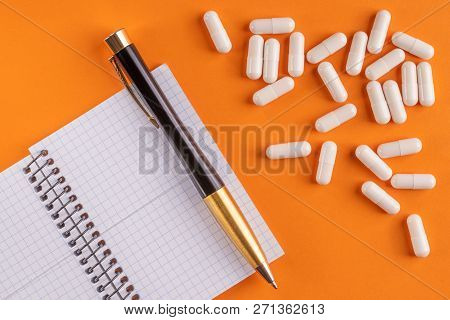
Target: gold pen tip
{"points": [[274, 285]]}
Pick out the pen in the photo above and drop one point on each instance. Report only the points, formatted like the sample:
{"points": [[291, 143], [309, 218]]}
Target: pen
{"points": [[205, 178]]}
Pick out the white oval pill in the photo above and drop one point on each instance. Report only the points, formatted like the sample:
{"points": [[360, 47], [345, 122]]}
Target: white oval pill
{"points": [[255, 57], [296, 60], [378, 103], [373, 162], [410, 91], [217, 32], [385, 64], [326, 48], [356, 54], [425, 84], [394, 101], [271, 60], [289, 150], [272, 26], [332, 81], [326, 162], [335, 118], [413, 181], [273, 91], [413, 45], [397, 148], [380, 197], [418, 236], [379, 31]]}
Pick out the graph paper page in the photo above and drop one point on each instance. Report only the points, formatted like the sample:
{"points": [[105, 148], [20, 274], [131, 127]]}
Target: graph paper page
{"points": [[35, 263], [156, 224]]}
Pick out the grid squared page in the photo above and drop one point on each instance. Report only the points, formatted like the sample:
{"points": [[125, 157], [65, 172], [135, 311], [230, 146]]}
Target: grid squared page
{"points": [[64, 281], [145, 218], [90, 255], [99, 156], [32, 255]]}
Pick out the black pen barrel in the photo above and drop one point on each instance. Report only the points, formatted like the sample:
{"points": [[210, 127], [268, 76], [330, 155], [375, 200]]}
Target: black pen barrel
{"points": [[215, 194], [202, 173]]}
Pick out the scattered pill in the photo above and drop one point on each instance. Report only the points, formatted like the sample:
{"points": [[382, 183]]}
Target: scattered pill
{"points": [[412, 45], [398, 148], [356, 54], [380, 197], [332, 81], [373, 162], [335, 118], [326, 48], [271, 60], [379, 31], [394, 101], [272, 26], [217, 32], [418, 236], [410, 92], [413, 181], [425, 84], [273, 91], [327, 159], [255, 57], [296, 60], [289, 150], [378, 103], [385, 64]]}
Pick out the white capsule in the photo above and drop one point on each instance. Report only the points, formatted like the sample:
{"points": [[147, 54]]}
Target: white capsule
{"points": [[394, 101], [378, 103], [289, 150], [356, 54], [326, 48], [255, 57], [335, 118], [380, 197], [326, 162], [332, 81], [425, 83], [271, 60], [296, 60], [398, 148], [418, 236], [385, 64], [379, 31], [217, 32], [410, 92], [272, 26], [373, 162], [413, 181], [273, 91], [413, 45]]}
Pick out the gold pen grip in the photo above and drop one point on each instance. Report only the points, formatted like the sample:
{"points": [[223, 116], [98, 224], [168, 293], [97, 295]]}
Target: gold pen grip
{"points": [[233, 222]]}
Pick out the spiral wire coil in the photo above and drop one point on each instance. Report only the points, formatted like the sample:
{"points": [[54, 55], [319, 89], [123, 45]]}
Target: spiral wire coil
{"points": [[78, 229]]}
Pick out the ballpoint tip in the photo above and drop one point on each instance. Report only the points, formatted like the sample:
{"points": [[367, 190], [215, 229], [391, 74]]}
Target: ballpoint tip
{"points": [[274, 285]]}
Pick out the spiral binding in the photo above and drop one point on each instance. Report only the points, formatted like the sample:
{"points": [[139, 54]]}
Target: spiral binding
{"points": [[76, 226]]}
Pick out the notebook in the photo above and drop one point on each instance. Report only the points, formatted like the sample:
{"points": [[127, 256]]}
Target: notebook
{"points": [[103, 208]]}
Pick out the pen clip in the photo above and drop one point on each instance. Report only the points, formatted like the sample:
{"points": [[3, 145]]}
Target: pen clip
{"points": [[128, 86]]}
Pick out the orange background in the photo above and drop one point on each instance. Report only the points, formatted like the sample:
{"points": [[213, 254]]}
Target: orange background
{"points": [[338, 245]]}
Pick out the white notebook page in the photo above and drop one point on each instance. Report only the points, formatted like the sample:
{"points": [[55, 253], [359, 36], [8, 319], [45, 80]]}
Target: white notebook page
{"points": [[34, 262], [156, 224]]}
